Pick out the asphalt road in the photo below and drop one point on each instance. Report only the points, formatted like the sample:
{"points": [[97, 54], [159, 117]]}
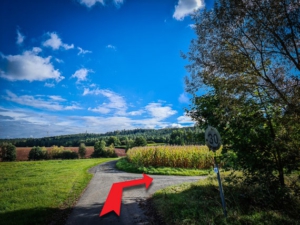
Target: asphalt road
{"points": [[87, 210]]}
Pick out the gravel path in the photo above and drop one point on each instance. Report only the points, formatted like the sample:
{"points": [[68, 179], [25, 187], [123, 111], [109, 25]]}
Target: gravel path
{"points": [[87, 210]]}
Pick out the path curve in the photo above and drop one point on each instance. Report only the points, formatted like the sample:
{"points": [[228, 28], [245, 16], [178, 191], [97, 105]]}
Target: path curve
{"points": [[86, 211]]}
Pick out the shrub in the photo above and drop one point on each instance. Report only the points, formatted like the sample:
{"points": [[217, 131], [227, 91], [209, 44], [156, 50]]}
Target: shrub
{"points": [[37, 153], [140, 141], [110, 151], [55, 151], [67, 154], [82, 150], [99, 149], [8, 152]]}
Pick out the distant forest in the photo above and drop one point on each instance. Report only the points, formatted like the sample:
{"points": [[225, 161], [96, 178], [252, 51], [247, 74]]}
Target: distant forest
{"points": [[172, 136]]}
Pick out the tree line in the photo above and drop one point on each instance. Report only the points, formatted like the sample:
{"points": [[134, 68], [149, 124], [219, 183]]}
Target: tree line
{"points": [[124, 138]]}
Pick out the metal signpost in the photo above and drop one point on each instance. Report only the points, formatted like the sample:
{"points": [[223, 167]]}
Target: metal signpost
{"points": [[213, 141]]}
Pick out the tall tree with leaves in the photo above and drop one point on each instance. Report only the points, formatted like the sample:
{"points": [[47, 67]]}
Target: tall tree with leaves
{"points": [[247, 53]]}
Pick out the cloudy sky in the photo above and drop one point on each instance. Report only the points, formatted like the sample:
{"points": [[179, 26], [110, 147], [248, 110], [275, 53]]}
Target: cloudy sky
{"points": [[71, 66]]}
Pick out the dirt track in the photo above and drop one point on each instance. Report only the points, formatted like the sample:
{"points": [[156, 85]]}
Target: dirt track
{"points": [[87, 210]]}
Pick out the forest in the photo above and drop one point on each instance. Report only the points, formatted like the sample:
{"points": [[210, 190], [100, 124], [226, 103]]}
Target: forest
{"points": [[123, 138]]}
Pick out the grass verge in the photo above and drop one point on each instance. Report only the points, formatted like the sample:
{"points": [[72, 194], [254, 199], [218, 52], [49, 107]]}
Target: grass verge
{"points": [[124, 165], [200, 203], [36, 192]]}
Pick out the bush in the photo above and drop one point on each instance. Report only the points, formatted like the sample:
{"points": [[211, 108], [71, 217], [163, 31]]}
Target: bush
{"points": [[140, 141], [99, 149], [55, 151], [110, 152], [8, 152], [82, 150], [67, 154], [37, 153]]}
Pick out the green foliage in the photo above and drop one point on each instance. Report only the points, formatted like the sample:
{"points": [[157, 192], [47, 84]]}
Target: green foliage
{"points": [[243, 54], [8, 152], [126, 137], [37, 153], [113, 140], [82, 150], [67, 154], [99, 149], [110, 152], [55, 152], [124, 165], [199, 203], [140, 141], [129, 144]]}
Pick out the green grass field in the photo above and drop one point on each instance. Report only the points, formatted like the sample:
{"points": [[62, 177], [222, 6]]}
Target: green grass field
{"points": [[41, 191]]}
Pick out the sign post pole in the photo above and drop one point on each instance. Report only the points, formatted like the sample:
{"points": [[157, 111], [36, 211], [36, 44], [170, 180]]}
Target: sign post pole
{"points": [[213, 141], [221, 188]]}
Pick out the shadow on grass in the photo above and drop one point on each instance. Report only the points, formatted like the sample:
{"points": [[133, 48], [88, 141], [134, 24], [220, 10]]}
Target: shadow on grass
{"points": [[131, 213], [200, 203], [35, 216]]}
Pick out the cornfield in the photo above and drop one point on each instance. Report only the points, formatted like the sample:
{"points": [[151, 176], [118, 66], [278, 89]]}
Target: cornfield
{"points": [[197, 157]]}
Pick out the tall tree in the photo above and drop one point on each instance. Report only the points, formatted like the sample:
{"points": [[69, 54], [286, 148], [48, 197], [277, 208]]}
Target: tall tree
{"points": [[247, 52]]}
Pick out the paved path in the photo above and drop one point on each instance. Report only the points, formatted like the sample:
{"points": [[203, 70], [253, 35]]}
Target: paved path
{"points": [[87, 210]]}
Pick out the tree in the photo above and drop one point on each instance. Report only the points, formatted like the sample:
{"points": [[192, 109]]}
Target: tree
{"points": [[113, 140], [8, 152], [129, 144], [99, 149], [37, 153], [247, 53], [140, 141], [82, 150]]}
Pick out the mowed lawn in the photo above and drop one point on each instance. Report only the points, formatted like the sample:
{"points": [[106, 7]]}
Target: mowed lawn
{"points": [[41, 192]]}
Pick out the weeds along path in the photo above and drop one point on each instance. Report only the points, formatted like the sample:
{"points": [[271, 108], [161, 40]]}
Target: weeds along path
{"points": [[86, 211]]}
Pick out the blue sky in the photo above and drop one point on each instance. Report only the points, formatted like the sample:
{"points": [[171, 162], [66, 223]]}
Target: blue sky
{"points": [[71, 66]]}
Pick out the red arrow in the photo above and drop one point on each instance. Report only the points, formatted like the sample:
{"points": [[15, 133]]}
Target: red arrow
{"points": [[114, 198]]}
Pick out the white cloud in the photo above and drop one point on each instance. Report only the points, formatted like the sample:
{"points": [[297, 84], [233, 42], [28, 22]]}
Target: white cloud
{"points": [[185, 119], [91, 3], [59, 60], [55, 42], [174, 125], [29, 66], [22, 122], [116, 103], [57, 98], [82, 51], [183, 98], [20, 38], [50, 103], [136, 113], [160, 112], [81, 74], [49, 85], [118, 2], [111, 47], [192, 26], [186, 7]]}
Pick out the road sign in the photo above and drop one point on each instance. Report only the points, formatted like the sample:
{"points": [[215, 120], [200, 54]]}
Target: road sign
{"points": [[212, 138], [213, 141]]}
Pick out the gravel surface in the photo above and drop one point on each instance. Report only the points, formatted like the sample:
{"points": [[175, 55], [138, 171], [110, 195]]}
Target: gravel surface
{"points": [[136, 206]]}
